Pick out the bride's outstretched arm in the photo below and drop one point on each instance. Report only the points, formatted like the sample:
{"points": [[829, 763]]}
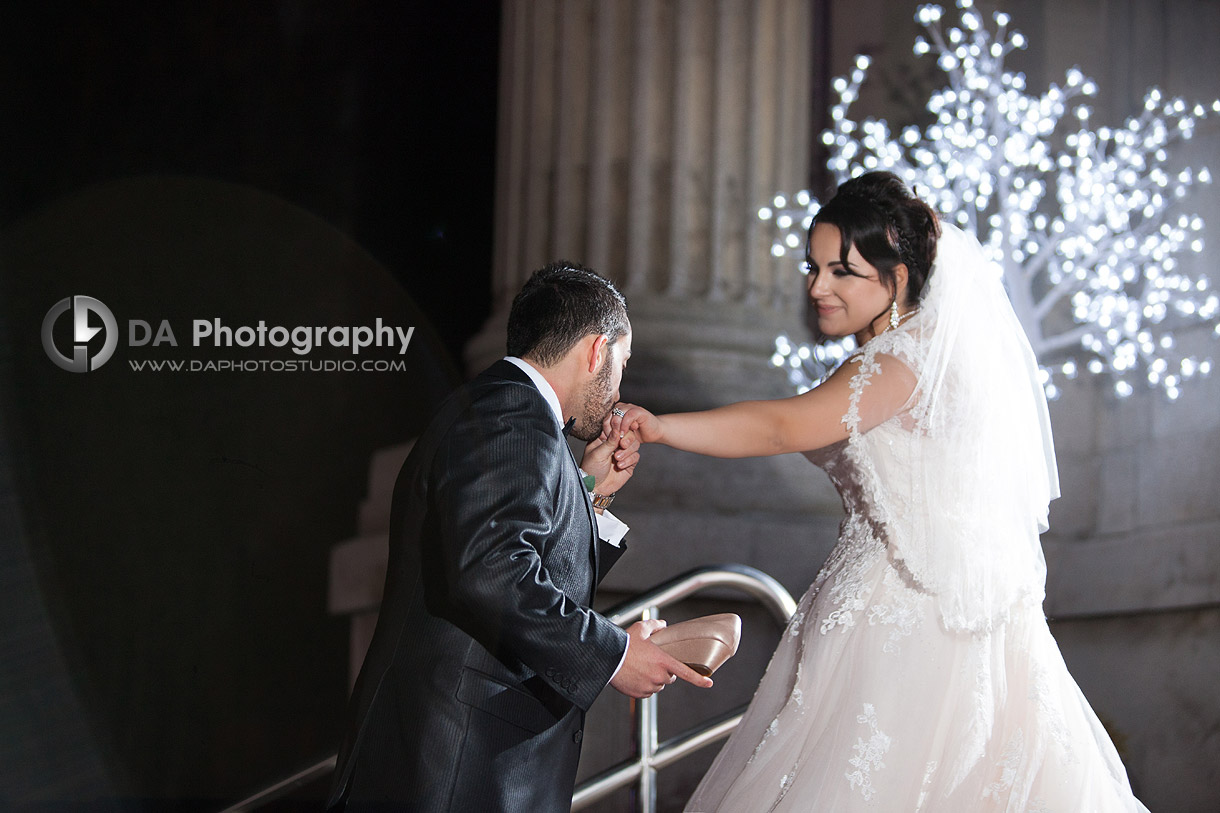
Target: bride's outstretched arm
{"points": [[760, 428], [744, 429]]}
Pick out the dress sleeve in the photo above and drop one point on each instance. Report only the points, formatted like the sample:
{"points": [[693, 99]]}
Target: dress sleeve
{"points": [[882, 385]]}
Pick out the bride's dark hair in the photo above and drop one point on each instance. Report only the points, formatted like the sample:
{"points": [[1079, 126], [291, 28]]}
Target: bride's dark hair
{"points": [[888, 225]]}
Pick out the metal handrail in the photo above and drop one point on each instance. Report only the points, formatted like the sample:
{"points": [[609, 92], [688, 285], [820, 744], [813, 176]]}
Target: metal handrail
{"points": [[651, 756], [281, 788], [750, 580]]}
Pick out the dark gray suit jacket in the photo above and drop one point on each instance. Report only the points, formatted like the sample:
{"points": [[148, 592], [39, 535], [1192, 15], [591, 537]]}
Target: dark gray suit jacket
{"points": [[486, 654]]}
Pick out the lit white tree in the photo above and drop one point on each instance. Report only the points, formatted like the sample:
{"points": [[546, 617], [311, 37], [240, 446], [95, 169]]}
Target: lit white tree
{"points": [[1082, 220]]}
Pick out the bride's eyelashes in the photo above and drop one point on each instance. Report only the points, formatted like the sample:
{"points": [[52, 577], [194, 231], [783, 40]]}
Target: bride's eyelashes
{"points": [[812, 271]]}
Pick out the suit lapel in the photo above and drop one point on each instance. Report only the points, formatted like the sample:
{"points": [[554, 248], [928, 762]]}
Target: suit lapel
{"points": [[593, 541], [508, 370]]}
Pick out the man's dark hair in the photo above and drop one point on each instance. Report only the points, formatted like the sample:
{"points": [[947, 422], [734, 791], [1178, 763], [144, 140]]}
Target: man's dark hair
{"points": [[560, 305]]}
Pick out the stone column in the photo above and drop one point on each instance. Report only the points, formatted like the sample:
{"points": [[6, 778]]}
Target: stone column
{"points": [[641, 138]]}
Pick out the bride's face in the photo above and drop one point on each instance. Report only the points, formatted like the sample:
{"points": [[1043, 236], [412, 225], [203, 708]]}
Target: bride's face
{"points": [[849, 299]]}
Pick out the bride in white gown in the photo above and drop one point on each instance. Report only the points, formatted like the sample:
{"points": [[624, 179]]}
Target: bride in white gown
{"points": [[918, 673]]}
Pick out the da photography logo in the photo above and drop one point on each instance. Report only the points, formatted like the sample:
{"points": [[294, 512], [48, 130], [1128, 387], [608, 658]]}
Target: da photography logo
{"points": [[289, 347], [82, 333]]}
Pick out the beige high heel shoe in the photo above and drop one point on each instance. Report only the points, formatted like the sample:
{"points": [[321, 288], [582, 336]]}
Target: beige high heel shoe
{"points": [[704, 643]]}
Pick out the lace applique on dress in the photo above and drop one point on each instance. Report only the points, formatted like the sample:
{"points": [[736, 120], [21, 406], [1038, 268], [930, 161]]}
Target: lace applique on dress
{"points": [[1052, 715], [984, 689], [798, 694], [797, 698], [897, 610], [785, 785], [868, 366], [897, 343], [771, 731], [925, 785], [1009, 762], [863, 534], [794, 626], [850, 563], [868, 754]]}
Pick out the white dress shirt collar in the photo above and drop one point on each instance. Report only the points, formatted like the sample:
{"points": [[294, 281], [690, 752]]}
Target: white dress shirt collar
{"points": [[544, 386]]}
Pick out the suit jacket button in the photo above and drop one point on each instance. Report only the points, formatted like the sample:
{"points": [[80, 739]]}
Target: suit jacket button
{"points": [[578, 736]]}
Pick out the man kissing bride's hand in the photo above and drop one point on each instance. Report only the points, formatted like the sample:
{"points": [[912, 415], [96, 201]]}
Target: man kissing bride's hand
{"points": [[630, 420], [611, 463]]}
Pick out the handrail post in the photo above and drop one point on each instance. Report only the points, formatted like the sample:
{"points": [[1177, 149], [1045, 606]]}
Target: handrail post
{"points": [[648, 741]]}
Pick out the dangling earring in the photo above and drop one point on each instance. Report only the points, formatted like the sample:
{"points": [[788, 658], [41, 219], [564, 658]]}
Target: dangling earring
{"points": [[894, 313]]}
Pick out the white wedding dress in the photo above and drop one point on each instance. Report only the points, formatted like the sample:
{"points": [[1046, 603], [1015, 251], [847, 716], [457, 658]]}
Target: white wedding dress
{"points": [[918, 673]]}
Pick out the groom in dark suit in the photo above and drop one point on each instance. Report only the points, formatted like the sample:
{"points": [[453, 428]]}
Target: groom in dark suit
{"points": [[487, 654]]}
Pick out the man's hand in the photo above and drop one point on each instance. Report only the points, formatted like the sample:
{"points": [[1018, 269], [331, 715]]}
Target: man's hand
{"points": [[611, 462], [647, 427], [646, 669]]}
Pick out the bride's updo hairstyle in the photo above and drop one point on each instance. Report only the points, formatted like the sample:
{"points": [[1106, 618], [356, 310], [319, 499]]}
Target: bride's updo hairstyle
{"points": [[888, 225]]}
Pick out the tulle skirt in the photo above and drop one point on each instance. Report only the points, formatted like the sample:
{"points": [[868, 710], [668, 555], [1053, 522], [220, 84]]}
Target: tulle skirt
{"points": [[869, 704]]}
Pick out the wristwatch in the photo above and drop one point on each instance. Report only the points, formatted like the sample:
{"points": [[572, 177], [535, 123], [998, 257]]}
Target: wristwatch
{"points": [[601, 501]]}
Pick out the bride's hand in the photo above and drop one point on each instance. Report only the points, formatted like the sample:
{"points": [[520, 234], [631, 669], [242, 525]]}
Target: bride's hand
{"points": [[611, 463], [648, 427]]}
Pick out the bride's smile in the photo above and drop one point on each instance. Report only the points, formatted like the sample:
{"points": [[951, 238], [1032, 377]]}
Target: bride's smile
{"points": [[849, 298]]}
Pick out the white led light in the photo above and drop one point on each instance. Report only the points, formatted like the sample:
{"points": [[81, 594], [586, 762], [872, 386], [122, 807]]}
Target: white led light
{"points": [[1077, 217]]}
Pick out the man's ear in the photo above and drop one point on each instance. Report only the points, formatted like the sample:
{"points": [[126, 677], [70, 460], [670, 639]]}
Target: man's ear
{"points": [[597, 351]]}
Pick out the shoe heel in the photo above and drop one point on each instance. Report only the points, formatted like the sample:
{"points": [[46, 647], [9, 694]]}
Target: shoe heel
{"points": [[704, 655]]}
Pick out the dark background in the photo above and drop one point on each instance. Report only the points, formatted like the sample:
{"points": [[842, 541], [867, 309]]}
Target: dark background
{"points": [[166, 643], [378, 116]]}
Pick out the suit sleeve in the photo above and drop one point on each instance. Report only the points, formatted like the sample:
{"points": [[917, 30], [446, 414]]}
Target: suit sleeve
{"points": [[498, 474]]}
